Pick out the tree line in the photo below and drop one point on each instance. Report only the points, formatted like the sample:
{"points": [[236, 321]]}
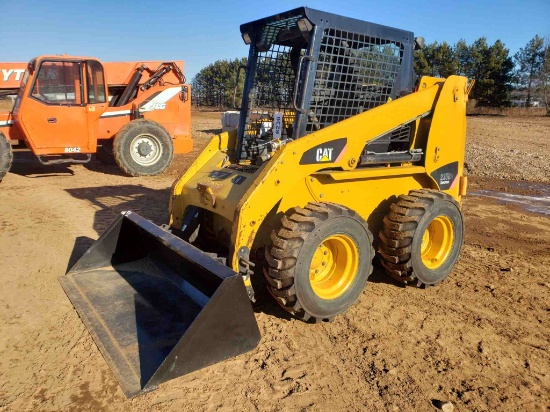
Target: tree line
{"points": [[215, 84], [500, 79]]}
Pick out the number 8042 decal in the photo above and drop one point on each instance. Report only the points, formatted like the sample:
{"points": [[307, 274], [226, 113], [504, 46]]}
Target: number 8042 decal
{"points": [[72, 150]]}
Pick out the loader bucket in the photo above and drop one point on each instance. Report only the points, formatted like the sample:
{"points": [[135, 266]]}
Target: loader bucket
{"points": [[156, 306]]}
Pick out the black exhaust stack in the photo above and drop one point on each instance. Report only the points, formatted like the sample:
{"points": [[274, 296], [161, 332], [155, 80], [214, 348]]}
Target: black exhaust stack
{"points": [[156, 306]]}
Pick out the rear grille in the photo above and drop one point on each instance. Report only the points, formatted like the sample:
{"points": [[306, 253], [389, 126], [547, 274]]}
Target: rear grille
{"points": [[398, 139]]}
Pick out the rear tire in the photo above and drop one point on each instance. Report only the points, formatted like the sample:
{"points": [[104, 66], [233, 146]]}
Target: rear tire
{"points": [[319, 261], [6, 155], [143, 148], [422, 237]]}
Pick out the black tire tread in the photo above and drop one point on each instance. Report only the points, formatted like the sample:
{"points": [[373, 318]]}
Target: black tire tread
{"points": [[119, 153], [398, 230], [6, 155], [282, 255]]}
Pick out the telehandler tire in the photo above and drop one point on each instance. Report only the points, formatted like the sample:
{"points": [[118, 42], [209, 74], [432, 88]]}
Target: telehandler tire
{"points": [[319, 261], [421, 238], [6, 155], [143, 148]]}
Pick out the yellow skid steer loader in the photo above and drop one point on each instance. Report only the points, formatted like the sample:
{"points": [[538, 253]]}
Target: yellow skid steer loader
{"points": [[340, 149]]}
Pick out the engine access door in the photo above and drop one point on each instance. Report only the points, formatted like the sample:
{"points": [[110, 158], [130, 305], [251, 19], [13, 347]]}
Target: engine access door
{"points": [[55, 113]]}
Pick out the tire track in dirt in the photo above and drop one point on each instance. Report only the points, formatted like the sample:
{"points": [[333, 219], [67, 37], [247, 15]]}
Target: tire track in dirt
{"points": [[50, 224], [47, 220]]}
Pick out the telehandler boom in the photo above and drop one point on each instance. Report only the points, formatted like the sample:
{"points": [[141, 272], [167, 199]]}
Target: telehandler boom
{"points": [[340, 150], [67, 108]]}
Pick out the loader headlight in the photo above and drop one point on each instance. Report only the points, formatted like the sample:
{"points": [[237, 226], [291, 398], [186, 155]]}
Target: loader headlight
{"points": [[418, 43], [304, 25], [246, 38]]}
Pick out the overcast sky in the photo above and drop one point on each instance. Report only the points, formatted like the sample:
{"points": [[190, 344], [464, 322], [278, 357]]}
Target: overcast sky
{"points": [[201, 32]]}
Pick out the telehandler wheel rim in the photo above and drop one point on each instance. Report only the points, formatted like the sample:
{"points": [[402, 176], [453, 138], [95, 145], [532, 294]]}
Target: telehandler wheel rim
{"points": [[146, 149], [437, 242], [334, 266]]}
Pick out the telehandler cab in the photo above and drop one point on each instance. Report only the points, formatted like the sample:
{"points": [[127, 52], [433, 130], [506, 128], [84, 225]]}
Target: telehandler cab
{"points": [[339, 150]]}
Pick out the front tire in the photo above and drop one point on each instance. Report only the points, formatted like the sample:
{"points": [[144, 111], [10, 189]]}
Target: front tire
{"points": [[6, 155], [422, 237], [319, 261], [143, 148]]}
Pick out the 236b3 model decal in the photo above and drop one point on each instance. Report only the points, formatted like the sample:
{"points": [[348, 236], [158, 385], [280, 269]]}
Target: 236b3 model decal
{"points": [[446, 176], [328, 152]]}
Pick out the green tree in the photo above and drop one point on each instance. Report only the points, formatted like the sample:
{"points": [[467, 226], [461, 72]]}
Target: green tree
{"points": [[544, 77], [492, 69], [422, 66], [530, 61], [214, 85], [501, 69], [443, 60], [435, 60], [462, 57], [490, 66]]}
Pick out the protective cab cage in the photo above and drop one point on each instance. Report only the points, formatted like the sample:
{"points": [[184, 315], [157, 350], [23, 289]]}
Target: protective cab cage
{"points": [[308, 69]]}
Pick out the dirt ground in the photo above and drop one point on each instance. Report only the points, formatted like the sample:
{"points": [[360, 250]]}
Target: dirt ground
{"points": [[479, 340]]}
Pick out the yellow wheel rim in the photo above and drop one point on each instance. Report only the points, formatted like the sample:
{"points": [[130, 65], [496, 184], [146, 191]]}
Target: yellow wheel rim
{"points": [[334, 266], [437, 242]]}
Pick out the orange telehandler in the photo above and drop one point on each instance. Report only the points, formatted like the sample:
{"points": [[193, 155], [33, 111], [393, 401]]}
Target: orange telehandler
{"points": [[137, 114]]}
